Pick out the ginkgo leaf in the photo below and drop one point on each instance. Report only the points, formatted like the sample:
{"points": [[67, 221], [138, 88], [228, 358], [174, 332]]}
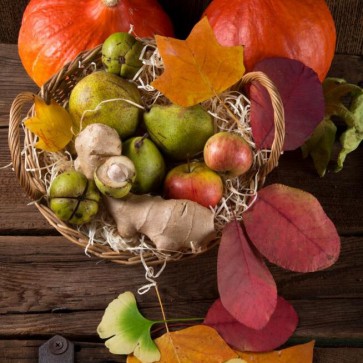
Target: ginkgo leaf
{"points": [[302, 353], [197, 344], [52, 124], [297, 234], [127, 330], [197, 68]]}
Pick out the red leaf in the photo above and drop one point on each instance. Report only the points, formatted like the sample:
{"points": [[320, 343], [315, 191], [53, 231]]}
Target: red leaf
{"points": [[302, 96], [246, 286], [281, 326], [290, 228]]}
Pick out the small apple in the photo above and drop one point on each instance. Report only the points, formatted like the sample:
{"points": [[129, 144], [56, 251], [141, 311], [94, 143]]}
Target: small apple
{"points": [[229, 153], [194, 181]]}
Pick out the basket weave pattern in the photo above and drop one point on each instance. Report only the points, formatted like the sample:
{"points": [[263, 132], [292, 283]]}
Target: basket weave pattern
{"points": [[59, 88]]}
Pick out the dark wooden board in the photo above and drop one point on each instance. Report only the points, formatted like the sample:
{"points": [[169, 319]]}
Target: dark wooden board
{"points": [[321, 320], [24, 351], [54, 274]]}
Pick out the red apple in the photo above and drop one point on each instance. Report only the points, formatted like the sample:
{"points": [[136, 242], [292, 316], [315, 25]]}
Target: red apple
{"points": [[194, 181], [229, 153]]}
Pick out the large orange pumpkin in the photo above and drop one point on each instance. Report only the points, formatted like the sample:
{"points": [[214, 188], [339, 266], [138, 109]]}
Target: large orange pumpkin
{"points": [[297, 29], [53, 32]]}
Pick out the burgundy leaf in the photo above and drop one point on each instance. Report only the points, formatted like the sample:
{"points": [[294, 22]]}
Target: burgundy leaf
{"points": [[290, 228], [246, 286], [303, 100], [281, 326]]}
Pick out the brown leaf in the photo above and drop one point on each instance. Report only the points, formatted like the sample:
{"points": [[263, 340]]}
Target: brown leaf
{"points": [[197, 344], [197, 68]]}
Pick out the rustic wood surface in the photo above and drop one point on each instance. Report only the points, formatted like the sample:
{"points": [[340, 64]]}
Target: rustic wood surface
{"points": [[49, 286]]}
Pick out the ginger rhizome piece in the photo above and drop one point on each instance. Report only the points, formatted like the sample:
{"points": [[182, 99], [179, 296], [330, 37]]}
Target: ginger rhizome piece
{"points": [[95, 144], [172, 225]]}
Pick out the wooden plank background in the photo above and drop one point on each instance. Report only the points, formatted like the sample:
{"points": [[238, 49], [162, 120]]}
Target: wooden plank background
{"points": [[49, 286]]}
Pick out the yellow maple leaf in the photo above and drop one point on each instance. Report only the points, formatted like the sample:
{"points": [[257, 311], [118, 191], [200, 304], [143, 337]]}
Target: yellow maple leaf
{"points": [[302, 353], [197, 344], [197, 68], [52, 124]]}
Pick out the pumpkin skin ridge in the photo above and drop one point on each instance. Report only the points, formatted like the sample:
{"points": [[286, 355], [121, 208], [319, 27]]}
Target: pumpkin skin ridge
{"points": [[89, 22], [298, 30]]}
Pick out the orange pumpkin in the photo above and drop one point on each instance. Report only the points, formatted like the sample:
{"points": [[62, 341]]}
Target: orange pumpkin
{"points": [[53, 32], [297, 29]]}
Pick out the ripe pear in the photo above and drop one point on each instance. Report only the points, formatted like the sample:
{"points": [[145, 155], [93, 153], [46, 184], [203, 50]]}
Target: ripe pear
{"points": [[180, 132], [86, 107], [149, 164]]}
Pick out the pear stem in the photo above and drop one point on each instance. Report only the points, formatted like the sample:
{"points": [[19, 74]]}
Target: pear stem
{"points": [[140, 142]]}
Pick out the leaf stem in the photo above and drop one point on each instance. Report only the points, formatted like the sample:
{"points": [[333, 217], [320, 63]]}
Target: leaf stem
{"points": [[176, 320]]}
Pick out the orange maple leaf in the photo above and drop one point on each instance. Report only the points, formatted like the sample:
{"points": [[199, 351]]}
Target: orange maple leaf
{"points": [[196, 344], [197, 68]]}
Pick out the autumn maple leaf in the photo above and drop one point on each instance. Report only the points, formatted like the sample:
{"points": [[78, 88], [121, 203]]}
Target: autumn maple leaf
{"points": [[197, 68]]}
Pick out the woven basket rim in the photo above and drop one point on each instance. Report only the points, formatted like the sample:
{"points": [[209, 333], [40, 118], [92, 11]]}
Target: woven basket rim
{"points": [[35, 190]]}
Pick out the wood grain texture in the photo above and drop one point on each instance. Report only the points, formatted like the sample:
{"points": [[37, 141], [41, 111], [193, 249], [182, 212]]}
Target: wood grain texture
{"points": [[13, 80], [24, 351], [320, 320], [43, 274], [348, 17]]}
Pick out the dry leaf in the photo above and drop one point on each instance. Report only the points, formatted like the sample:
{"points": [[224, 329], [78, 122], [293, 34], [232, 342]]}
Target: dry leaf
{"points": [[302, 353], [197, 344], [197, 68], [52, 124]]}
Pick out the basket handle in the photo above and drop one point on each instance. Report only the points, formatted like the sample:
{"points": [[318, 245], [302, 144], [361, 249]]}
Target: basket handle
{"points": [[33, 189], [279, 118]]}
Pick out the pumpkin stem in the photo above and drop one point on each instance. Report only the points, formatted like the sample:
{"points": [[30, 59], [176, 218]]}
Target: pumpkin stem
{"points": [[110, 3]]}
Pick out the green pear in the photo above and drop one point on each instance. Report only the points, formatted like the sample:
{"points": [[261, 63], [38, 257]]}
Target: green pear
{"points": [[149, 164], [121, 53], [180, 132], [86, 104], [73, 198]]}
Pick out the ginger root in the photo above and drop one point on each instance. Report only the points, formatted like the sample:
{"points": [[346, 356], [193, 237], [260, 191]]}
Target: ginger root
{"points": [[94, 145], [172, 225]]}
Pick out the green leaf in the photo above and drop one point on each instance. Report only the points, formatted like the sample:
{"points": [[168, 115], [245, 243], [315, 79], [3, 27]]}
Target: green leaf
{"points": [[353, 136], [320, 145], [127, 330]]}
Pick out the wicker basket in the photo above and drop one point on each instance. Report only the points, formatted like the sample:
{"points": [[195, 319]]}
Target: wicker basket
{"points": [[59, 88]]}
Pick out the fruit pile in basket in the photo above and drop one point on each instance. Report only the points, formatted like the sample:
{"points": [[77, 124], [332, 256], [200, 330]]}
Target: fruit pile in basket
{"points": [[160, 136], [157, 168]]}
